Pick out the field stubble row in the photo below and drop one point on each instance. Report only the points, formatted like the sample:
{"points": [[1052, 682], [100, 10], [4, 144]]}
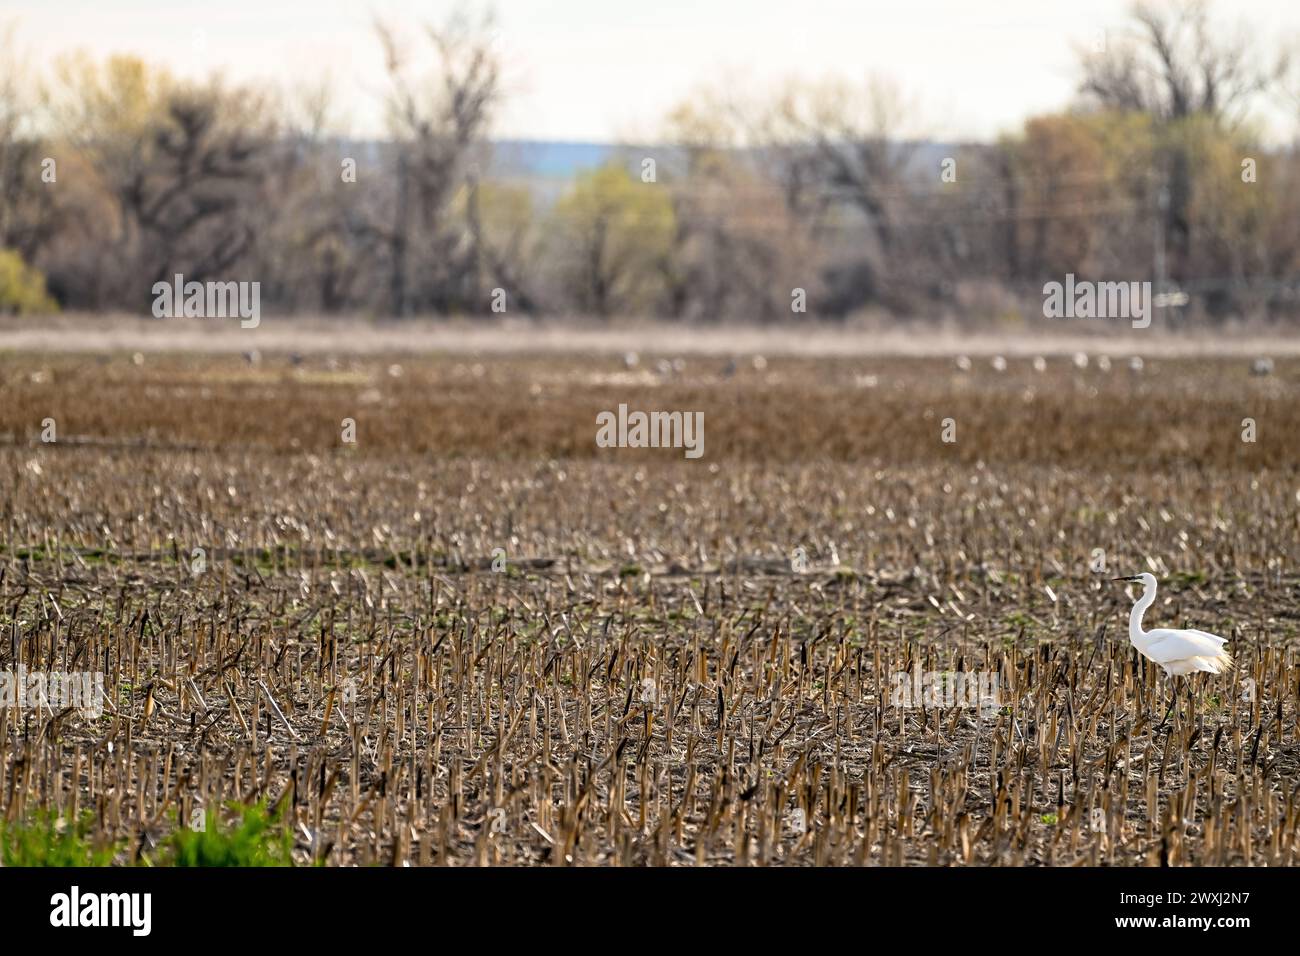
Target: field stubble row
{"points": [[651, 678]]}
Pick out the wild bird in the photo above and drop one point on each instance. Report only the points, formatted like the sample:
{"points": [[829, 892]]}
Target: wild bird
{"points": [[1180, 652]]}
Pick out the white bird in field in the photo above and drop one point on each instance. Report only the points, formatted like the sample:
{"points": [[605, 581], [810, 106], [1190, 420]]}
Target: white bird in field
{"points": [[1179, 651]]}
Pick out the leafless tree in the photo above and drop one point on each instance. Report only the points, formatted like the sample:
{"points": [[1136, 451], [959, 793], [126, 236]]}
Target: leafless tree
{"points": [[437, 114], [27, 212], [180, 168], [1176, 63]]}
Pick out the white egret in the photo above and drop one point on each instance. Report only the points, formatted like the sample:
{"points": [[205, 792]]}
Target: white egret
{"points": [[1179, 651]]}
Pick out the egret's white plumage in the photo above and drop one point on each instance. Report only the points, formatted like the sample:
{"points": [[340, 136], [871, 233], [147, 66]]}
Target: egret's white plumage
{"points": [[1179, 652]]}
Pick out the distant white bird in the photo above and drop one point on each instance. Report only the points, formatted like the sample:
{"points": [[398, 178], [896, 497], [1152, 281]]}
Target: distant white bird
{"points": [[963, 363], [1179, 651], [1261, 366], [1040, 364], [1080, 360], [999, 363], [1103, 363], [1135, 365]]}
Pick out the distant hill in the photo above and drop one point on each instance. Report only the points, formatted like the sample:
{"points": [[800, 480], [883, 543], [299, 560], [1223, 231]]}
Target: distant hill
{"points": [[520, 157], [546, 167], [558, 160]]}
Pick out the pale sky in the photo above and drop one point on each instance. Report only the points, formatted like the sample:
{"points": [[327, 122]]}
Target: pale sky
{"points": [[603, 70]]}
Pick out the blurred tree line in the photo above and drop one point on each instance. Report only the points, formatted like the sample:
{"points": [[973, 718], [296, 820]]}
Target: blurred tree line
{"points": [[115, 175]]}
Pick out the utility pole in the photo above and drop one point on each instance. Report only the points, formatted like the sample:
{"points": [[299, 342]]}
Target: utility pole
{"points": [[1162, 209], [476, 237], [1159, 299], [399, 237]]}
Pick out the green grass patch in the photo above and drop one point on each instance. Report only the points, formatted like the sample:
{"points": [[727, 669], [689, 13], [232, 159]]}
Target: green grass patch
{"points": [[51, 840], [258, 839]]}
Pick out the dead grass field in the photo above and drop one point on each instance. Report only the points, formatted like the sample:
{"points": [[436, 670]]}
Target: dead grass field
{"points": [[649, 681]]}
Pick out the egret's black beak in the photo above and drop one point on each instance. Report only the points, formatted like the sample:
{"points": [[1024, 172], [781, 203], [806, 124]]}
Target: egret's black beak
{"points": [[1134, 578]]}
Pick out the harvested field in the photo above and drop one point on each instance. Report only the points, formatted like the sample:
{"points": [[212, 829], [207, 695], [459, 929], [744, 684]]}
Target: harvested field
{"points": [[474, 637]]}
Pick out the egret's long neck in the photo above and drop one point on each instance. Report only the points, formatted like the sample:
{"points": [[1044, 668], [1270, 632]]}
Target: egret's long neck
{"points": [[1135, 632]]}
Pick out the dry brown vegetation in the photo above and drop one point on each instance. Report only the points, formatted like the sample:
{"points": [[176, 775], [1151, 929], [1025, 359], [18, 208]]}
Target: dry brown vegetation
{"points": [[350, 655]]}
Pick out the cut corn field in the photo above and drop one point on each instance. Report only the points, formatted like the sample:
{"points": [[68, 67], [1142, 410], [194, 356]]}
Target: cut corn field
{"points": [[475, 638]]}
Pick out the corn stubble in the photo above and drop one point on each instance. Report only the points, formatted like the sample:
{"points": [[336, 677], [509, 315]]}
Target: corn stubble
{"points": [[649, 682]]}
